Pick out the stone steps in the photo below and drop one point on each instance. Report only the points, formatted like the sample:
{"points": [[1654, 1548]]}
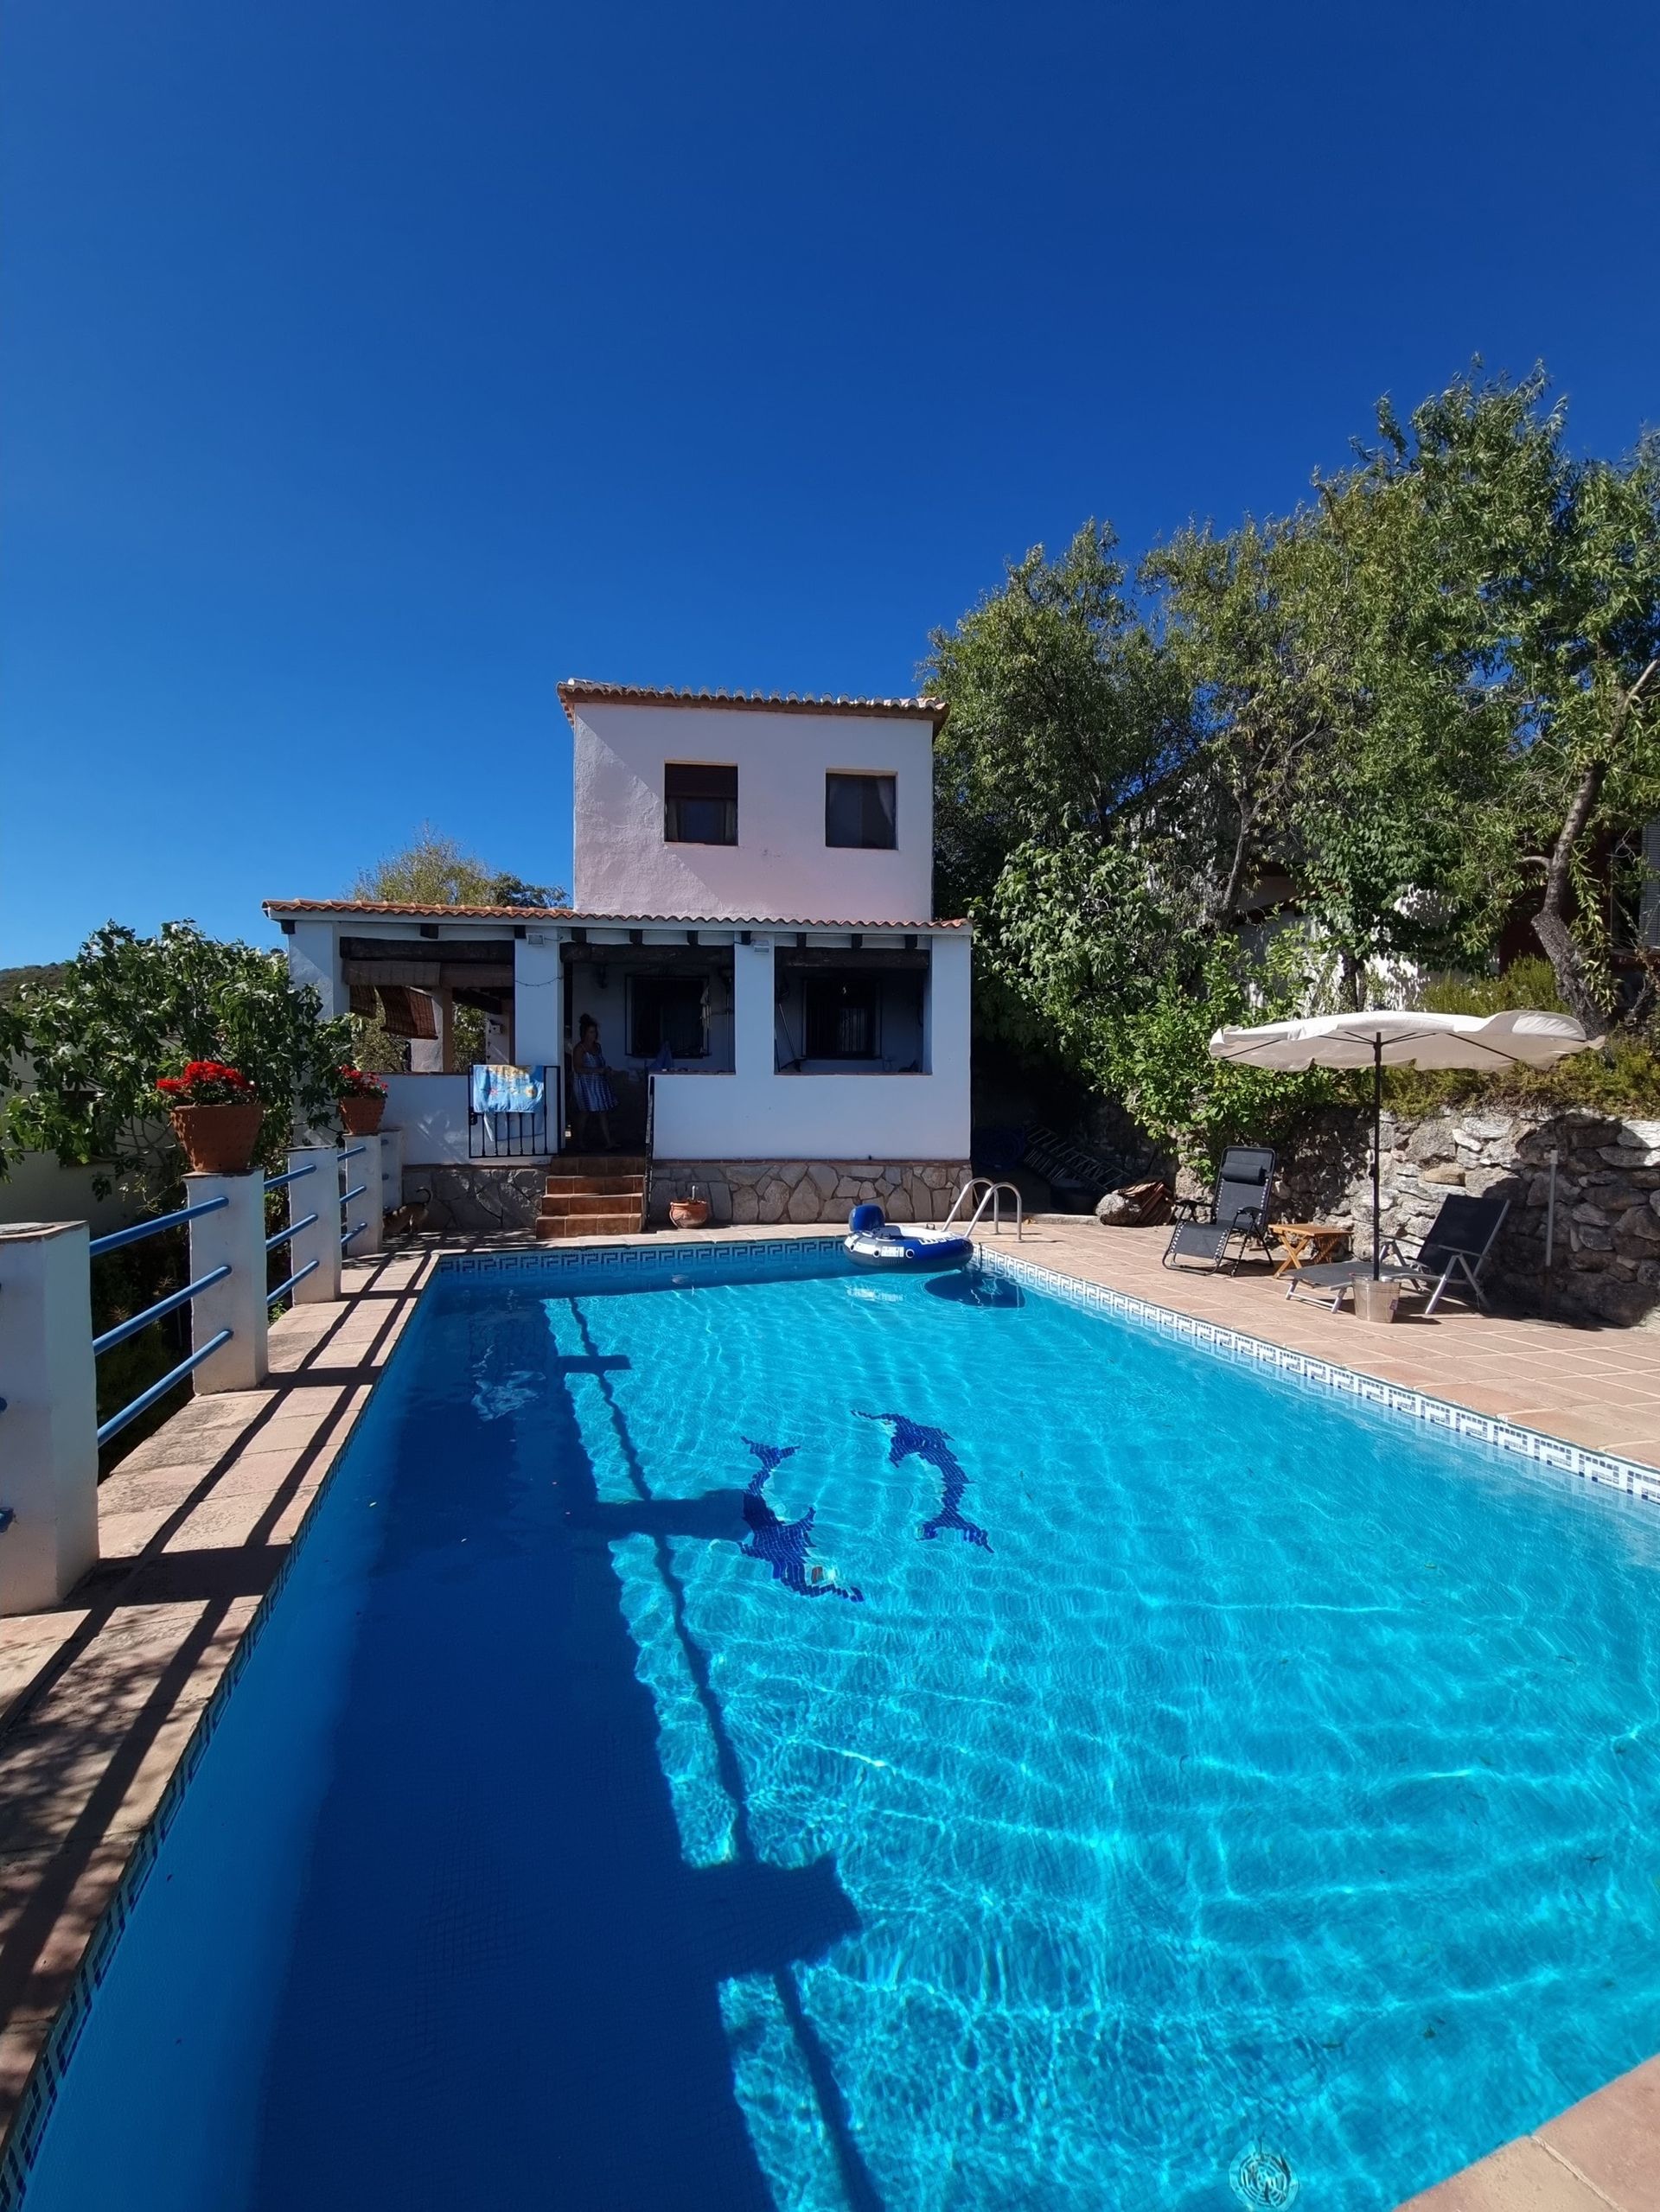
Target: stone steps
{"points": [[596, 1195]]}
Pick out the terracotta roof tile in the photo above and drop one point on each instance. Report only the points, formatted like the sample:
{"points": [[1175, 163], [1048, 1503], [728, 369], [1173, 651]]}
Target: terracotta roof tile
{"points": [[578, 688], [394, 909]]}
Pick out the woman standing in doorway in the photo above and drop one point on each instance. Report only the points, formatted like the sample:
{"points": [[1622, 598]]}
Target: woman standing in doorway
{"points": [[593, 1093]]}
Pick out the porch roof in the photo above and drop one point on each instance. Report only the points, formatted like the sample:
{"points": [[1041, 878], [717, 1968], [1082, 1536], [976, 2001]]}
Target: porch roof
{"points": [[393, 910]]}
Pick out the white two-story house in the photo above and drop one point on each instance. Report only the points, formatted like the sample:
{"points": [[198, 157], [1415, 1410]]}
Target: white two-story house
{"points": [[784, 1022]]}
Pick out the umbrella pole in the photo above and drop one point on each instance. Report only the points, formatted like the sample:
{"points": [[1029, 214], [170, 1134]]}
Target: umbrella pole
{"points": [[1378, 1140]]}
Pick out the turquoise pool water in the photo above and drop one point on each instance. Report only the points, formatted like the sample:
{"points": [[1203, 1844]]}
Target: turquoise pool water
{"points": [[1181, 1783]]}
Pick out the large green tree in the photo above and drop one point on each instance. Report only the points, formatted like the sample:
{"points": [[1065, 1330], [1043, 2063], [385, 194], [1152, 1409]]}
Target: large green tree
{"points": [[1309, 761], [1065, 713], [1549, 562]]}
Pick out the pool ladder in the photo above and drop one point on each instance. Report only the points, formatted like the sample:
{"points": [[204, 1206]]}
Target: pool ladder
{"points": [[993, 1196]]}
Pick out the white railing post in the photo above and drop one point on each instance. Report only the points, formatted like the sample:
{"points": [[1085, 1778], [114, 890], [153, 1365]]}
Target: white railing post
{"points": [[319, 1193], [49, 1429], [233, 1236], [392, 1170], [365, 1169]]}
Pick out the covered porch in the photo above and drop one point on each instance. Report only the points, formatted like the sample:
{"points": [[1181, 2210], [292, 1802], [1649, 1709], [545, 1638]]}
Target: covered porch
{"points": [[723, 1039]]}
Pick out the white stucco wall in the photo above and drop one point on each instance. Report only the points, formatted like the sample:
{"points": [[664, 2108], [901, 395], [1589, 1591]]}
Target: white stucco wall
{"points": [[781, 866], [37, 1190], [538, 1005], [314, 958], [812, 1118], [432, 1111], [756, 1113]]}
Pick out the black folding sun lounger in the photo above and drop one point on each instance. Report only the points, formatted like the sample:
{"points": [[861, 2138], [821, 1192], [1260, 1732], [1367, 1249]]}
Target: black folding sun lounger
{"points": [[1448, 1261], [1238, 1215]]}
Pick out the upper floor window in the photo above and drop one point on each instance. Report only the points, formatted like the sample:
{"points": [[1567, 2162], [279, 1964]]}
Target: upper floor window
{"points": [[860, 810], [699, 804]]}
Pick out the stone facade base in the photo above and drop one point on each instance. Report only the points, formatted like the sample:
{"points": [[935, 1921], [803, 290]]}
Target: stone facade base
{"points": [[808, 1190], [477, 1198]]}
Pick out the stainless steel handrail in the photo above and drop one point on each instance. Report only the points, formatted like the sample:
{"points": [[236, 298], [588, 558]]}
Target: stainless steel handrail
{"points": [[994, 1198]]}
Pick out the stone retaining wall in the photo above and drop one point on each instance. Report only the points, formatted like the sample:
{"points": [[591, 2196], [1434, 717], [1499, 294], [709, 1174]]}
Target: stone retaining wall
{"points": [[1607, 1250], [477, 1199], [808, 1190]]}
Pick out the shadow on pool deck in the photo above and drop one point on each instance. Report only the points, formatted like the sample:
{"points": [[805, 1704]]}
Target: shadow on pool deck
{"points": [[504, 1977], [104, 1693]]}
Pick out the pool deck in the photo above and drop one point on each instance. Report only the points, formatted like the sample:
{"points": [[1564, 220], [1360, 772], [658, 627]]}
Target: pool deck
{"points": [[99, 1697]]}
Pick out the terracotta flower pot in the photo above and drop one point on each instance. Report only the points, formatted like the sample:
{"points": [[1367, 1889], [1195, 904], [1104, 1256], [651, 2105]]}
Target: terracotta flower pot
{"points": [[362, 1115], [218, 1139], [688, 1213]]}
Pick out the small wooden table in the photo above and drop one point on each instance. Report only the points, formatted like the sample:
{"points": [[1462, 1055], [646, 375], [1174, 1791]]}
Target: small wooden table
{"points": [[1308, 1244]]}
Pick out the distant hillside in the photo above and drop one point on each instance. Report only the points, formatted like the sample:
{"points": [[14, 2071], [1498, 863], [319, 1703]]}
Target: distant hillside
{"points": [[13, 979]]}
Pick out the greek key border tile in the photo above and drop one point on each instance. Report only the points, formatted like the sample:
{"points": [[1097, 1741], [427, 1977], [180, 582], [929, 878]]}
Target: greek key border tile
{"points": [[1606, 1470]]}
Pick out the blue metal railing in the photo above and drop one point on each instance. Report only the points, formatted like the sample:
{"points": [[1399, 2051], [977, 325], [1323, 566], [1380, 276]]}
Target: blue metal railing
{"points": [[282, 1182], [281, 1237], [298, 1276], [123, 1329], [292, 1230], [352, 1152], [142, 1402], [141, 1229]]}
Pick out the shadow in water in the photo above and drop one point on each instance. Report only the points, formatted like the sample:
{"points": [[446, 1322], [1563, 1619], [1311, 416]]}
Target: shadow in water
{"points": [[969, 1286], [502, 1986]]}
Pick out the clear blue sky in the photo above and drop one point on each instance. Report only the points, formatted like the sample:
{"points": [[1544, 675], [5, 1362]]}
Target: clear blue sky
{"points": [[369, 366]]}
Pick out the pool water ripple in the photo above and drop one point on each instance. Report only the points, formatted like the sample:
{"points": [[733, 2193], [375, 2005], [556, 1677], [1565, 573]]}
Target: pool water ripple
{"points": [[1241, 1796]]}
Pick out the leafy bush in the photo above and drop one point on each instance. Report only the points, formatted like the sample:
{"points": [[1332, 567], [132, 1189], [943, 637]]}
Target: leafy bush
{"points": [[1623, 1078], [128, 1009]]}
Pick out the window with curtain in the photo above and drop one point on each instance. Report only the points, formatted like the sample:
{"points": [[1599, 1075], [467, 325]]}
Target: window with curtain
{"points": [[860, 810], [699, 803], [842, 1016]]}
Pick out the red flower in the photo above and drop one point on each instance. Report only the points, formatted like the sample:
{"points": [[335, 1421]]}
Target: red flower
{"points": [[207, 1082]]}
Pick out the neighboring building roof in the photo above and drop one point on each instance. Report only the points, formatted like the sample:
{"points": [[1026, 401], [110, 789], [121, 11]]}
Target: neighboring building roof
{"points": [[579, 688], [393, 910]]}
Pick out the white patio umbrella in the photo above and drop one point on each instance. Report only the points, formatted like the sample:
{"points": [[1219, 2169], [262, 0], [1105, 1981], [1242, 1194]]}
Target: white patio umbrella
{"points": [[1380, 1040]]}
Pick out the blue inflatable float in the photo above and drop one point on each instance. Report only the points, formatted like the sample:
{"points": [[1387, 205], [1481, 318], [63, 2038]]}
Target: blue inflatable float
{"points": [[875, 1241]]}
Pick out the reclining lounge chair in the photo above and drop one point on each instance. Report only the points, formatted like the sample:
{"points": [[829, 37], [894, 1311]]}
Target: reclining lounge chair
{"points": [[1449, 1260], [1237, 1216]]}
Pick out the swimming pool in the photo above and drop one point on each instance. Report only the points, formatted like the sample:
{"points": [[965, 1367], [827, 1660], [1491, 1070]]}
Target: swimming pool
{"points": [[773, 1738]]}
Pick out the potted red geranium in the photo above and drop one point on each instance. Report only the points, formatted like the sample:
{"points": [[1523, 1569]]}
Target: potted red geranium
{"points": [[216, 1114], [361, 1099]]}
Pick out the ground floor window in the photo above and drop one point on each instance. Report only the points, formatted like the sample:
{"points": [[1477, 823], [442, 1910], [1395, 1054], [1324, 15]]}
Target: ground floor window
{"points": [[843, 1017], [666, 1013]]}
